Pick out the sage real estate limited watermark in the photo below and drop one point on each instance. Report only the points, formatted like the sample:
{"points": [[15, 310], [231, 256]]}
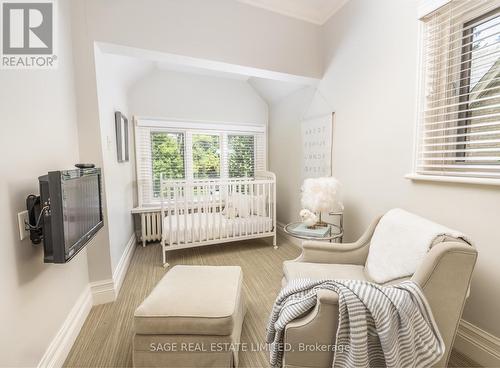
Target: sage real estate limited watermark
{"points": [[27, 35]]}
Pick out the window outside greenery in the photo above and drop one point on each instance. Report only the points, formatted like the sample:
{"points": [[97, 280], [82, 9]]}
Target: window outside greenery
{"points": [[206, 156], [241, 156], [167, 156]]}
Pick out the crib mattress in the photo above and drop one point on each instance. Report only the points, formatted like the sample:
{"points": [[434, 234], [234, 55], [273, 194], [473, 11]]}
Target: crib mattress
{"points": [[211, 226]]}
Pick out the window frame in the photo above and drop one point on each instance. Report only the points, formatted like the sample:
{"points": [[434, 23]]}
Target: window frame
{"points": [[145, 188], [419, 131], [465, 77]]}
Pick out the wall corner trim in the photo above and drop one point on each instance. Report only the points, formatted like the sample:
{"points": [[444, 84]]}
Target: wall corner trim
{"points": [[122, 267], [61, 344], [103, 291], [477, 344], [106, 291]]}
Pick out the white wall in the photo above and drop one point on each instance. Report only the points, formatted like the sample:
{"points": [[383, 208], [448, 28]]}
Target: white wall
{"points": [[219, 30], [114, 75], [370, 82], [38, 133], [183, 96], [285, 152]]}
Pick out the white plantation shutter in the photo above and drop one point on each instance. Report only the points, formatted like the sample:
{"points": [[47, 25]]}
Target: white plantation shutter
{"points": [[459, 112], [238, 145]]}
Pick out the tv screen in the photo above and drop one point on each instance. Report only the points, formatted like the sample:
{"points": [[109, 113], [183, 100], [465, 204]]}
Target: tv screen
{"points": [[74, 212]]}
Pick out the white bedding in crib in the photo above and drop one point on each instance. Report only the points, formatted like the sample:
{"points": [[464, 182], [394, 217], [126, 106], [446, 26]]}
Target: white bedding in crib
{"points": [[212, 226]]}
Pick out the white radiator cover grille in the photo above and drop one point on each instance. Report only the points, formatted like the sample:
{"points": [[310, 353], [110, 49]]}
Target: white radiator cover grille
{"points": [[150, 226]]}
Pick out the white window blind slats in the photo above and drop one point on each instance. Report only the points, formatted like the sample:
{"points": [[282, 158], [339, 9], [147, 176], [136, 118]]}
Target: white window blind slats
{"points": [[425, 7], [459, 117], [455, 104], [471, 118], [465, 174], [480, 125], [202, 152], [492, 142], [452, 13]]}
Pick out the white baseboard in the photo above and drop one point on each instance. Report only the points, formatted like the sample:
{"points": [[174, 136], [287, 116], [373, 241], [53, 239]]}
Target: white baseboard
{"points": [[99, 292], [477, 344], [103, 291], [106, 291], [59, 348], [122, 267], [292, 239]]}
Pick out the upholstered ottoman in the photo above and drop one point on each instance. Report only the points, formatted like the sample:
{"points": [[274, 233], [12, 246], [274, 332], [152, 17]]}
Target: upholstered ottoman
{"points": [[192, 318]]}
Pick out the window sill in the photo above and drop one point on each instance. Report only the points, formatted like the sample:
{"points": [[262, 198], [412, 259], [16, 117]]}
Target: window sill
{"points": [[453, 179]]}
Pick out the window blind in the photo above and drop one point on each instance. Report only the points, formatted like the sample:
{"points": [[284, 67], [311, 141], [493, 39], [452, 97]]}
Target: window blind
{"points": [[459, 110], [195, 151]]}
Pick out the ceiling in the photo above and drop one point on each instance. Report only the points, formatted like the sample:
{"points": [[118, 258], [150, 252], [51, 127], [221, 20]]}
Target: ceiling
{"points": [[129, 65], [273, 91], [313, 11]]}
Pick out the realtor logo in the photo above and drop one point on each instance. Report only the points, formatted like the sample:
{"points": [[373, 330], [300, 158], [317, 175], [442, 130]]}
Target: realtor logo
{"points": [[27, 35]]}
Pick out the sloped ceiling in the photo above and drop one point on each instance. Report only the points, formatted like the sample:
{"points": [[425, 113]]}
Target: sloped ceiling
{"points": [[273, 91], [313, 11], [128, 69]]}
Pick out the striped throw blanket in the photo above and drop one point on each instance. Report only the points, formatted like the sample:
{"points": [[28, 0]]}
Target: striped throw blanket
{"points": [[379, 326]]}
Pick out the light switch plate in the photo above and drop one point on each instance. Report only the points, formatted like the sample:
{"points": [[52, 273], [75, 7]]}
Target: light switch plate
{"points": [[21, 218]]}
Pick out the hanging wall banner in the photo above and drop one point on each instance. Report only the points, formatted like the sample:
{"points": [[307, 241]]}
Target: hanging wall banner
{"points": [[317, 137]]}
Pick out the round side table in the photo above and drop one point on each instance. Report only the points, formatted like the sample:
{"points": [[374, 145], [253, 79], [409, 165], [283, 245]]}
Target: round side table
{"points": [[334, 234]]}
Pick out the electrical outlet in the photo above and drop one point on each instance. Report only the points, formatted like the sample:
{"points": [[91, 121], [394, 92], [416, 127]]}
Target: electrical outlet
{"points": [[21, 218]]}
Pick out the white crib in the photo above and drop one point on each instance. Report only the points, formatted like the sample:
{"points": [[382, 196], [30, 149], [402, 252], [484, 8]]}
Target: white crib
{"points": [[202, 212]]}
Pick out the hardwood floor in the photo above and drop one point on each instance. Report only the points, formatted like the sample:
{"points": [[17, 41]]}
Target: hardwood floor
{"points": [[106, 337]]}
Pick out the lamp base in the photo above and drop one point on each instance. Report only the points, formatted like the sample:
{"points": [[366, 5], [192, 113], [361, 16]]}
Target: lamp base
{"points": [[318, 224]]}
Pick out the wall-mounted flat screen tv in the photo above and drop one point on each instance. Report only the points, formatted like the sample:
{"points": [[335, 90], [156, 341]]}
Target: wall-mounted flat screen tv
{"points": [[73, 214]]}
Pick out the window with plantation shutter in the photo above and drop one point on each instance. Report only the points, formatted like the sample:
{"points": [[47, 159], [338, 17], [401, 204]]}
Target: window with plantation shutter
{"points": [[241, 155], [459, 110], [195, 151]]}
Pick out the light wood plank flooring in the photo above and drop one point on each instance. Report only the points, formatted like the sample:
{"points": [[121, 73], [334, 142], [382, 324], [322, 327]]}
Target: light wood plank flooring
{"points": [[106, 337]]}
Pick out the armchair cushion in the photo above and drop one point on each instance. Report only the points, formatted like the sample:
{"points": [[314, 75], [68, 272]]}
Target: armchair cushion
{"points": [[318, 271]]}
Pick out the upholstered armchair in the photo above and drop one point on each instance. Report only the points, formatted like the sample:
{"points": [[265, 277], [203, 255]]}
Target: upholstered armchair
{"points": [[444, 276]]}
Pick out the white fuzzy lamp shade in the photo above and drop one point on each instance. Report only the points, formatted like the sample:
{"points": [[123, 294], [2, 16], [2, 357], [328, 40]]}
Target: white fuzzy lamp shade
{"points": [[321, 194]]}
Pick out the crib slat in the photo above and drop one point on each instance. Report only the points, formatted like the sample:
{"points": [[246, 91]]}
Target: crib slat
{"points": [[184, 199], [259, 209], [268, 199], [234, 212], [252, 209], [153, 226], [198, 200], [191, 216], [169, 214], [176, 213], [211, 209], [207, 215]]}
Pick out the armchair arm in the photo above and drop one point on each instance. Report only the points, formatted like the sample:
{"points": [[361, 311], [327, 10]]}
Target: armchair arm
{"points": [[444, 276], [310, 339], [346, 253]]}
